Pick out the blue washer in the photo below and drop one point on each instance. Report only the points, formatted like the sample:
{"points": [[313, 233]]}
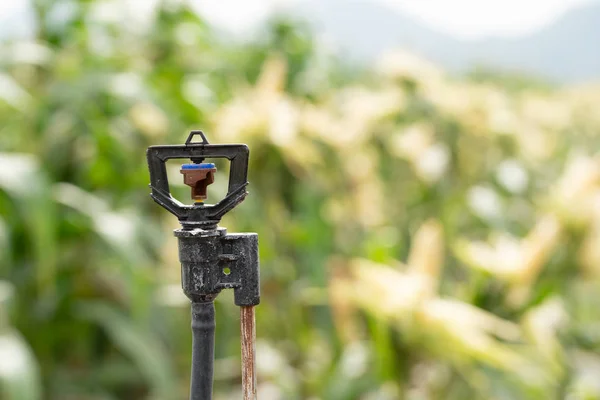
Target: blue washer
{"points": [[198, 166]]}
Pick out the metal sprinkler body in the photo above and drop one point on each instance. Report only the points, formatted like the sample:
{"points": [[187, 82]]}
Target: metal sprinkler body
{"points": [[211, 259]]}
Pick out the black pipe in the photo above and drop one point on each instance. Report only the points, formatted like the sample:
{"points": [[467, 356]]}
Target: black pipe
{"points": [[203, 350]]}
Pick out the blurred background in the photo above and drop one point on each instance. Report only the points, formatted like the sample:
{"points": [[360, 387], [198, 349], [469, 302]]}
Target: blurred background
{"points": [[424, 180]]}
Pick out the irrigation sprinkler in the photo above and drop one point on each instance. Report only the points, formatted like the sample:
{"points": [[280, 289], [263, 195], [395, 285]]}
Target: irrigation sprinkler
{"points": [[211, 259]]}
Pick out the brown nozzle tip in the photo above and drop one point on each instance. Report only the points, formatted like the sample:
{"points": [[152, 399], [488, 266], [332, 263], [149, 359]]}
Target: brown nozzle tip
{"points": [[198, 177]]}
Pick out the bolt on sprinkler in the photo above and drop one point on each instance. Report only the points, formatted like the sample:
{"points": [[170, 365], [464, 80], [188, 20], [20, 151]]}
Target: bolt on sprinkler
{"points": [[211, 259]]}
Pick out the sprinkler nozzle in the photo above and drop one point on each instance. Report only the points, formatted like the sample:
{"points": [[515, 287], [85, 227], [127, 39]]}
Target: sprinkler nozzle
{"points": [[198, 177]]}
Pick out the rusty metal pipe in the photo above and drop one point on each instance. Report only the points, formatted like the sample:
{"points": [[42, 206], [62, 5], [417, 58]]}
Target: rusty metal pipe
{"points": [[248, 335]]}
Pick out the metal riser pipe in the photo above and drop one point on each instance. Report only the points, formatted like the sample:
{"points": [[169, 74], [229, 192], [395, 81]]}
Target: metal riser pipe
{"points": [[203, 350]]}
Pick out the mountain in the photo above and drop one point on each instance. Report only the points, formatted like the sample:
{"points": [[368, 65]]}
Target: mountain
{"points": [[567, 50]]}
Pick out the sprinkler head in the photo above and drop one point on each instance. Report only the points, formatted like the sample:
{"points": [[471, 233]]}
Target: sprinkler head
{"points": [[198, 177]]}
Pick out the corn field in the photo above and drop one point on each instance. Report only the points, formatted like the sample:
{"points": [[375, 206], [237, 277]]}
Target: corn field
{"points": [[422, 235]]}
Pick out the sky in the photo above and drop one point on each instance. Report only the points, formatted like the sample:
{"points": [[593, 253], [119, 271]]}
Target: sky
{"points": [[470, 19]]}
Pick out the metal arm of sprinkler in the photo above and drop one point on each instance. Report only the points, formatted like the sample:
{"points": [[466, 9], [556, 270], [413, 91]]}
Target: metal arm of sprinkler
{"points": [[211, 259]]}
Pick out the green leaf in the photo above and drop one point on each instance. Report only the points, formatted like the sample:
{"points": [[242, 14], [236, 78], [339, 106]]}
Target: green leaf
{"points": [[143, 348]]}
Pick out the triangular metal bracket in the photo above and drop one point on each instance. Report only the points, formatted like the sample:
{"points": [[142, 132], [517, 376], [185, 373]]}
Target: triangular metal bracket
{"points": [[189, 142]]}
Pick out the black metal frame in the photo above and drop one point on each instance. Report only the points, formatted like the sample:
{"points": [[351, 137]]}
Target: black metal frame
{"points": [[199, 215]]}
